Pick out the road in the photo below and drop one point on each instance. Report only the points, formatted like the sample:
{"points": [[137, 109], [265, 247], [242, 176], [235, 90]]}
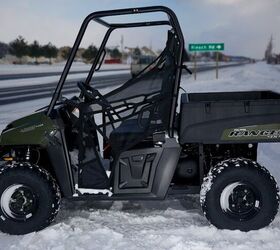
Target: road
{"points": [[44, 74], [10, 95], [26, 93]]}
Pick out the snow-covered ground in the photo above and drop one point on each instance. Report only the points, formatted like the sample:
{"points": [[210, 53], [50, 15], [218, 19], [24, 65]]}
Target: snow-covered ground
{"points": [[156, 225]]}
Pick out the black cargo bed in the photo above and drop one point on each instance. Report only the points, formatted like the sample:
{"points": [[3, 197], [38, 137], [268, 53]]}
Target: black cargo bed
{"points": [[232, 96], [211, 117]]}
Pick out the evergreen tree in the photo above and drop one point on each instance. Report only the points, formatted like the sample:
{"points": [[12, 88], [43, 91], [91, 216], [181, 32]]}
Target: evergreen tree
{"points": [[4, 49], [90, 53], [18, 47], [35, 50], [137, 52], [49, 51], [186, 57], [115, 53], [220, 56], [65, 52], [206, 54]]}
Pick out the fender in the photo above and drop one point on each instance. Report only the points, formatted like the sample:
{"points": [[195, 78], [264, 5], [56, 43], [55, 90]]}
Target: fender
{"points": [[41, 131]]}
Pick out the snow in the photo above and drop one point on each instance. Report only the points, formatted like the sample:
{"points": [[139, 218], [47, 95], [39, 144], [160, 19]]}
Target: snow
{"points": [[143, 225], [259, 76], [156, 224]]}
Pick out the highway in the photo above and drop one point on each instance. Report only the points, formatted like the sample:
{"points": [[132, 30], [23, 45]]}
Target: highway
{"points": [[45, 74], [26, 93], [10, 95]]}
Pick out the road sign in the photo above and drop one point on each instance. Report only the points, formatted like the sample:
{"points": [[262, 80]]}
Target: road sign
{"points": [[199, 47], [206, 46]]}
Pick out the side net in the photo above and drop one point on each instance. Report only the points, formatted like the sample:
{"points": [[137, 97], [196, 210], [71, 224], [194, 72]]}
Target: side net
{"points": [[142, 105]]}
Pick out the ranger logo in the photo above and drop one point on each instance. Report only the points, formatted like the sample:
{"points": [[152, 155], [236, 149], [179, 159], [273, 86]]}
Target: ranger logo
{"points": [[254, 132]]}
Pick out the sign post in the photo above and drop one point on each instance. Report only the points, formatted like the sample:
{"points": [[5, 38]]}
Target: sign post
{"points": [[199, 47], [194, 66], [217, 65]]}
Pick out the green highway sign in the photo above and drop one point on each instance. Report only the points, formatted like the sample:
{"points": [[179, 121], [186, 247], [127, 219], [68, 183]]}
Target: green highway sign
{"points": [[206, 46], [197, 47]]}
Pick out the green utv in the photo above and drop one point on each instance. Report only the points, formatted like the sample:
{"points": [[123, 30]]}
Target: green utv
{"points": [[130, 144]]}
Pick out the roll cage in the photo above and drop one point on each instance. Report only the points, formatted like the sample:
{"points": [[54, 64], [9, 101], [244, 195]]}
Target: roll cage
{"points": [[99, 18]]}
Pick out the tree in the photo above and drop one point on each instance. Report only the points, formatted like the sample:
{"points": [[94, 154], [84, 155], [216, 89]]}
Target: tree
{"points": [[186, 57], [18, 47], [4, 49], [137, 52], [35, 50], [49, 51], [220, 56], [206, 54], [90, 53], [268, 51], [115, 53], [65, 52]]}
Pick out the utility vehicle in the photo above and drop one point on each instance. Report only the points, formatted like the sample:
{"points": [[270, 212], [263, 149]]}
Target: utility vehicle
{"points": [[147, 150]]}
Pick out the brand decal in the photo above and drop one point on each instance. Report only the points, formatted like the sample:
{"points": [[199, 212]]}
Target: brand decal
{"points": [[255, 132], [28, 129]]}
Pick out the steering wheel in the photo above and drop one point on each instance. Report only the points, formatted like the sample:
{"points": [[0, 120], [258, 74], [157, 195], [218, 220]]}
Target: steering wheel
{"points": [[93, 95]]}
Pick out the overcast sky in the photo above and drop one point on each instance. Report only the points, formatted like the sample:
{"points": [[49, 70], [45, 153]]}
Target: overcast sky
{"points": [[243, 25]]}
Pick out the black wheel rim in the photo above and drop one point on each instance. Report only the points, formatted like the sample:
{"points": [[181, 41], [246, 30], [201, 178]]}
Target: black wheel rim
{"points": [[240, 201], [19, 202]]}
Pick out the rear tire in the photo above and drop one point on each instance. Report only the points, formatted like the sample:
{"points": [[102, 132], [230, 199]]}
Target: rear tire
{"points": [[29, 198], [239, 194]]}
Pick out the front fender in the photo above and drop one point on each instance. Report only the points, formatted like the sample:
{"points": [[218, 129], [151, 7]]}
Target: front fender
{"points": [[40, 130], [30, 130]]}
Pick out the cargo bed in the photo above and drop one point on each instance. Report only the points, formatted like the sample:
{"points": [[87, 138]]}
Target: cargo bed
{"points": [[230, 117]]}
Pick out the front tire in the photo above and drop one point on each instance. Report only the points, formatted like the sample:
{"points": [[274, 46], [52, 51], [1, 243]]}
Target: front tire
{"points": [[29, 198], [239, 194]]}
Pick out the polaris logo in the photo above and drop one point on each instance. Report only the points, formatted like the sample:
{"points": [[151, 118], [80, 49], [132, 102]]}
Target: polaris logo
{"points": [[28, 129], [254, 133]]}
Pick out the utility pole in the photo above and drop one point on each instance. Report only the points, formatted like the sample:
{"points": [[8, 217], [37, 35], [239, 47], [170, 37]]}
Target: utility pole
{"points": [[122, 42]]}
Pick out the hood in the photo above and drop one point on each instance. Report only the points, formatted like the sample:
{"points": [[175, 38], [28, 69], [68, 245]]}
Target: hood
{"points": [[29, 130]]}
